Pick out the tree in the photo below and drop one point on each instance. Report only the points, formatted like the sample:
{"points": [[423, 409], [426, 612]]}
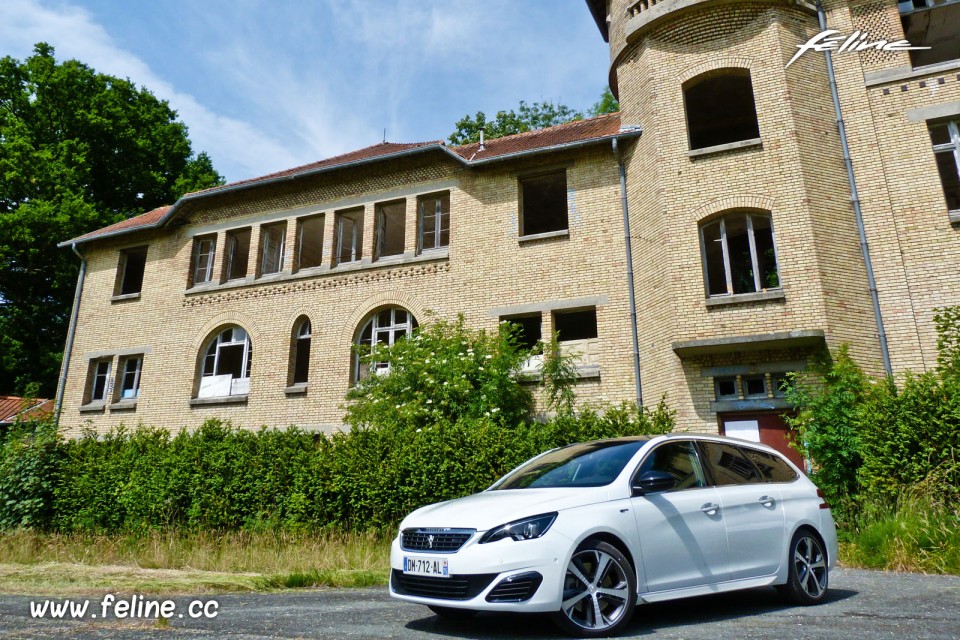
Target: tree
{"points": [[526, 118], [78, 150], [606, 104]]}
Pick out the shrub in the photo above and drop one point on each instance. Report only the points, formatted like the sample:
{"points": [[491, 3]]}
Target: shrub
{"points": [[30, 460], [444, 372]]}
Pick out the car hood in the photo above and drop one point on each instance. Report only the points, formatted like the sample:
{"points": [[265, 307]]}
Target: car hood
{"points": [[489, 509]]}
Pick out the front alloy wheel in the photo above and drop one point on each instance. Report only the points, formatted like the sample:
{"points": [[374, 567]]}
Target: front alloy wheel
{"points": [[599, 591], [808, 574]]}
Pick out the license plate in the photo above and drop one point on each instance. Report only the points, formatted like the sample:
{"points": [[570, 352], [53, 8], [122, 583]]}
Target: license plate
{"points": [[434, 567]]}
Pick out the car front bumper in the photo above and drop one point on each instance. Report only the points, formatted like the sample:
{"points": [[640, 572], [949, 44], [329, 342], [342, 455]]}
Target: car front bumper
{"points": [[476, 571]]}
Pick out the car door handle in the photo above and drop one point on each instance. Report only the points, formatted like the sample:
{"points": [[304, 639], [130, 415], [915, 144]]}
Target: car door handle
{"points": [[710, 508], [766, 501]]}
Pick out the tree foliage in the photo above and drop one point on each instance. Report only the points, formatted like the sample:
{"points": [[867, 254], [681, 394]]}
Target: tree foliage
{"points": [[525, 118], [79, 150], [606, 104]]}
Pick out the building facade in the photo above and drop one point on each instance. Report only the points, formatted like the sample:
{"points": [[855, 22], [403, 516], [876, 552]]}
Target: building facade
{"points": [[723, 177]]}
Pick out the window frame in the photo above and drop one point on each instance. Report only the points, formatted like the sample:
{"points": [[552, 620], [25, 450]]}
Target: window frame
{"points": [[381, 235], [198, 255], [214, 345], [372, 320], [356, 216], [277, 256], [230, 248], [302, 335], [696, 124], [122, 376], [123, 264], [441, 221], [94, 375], [953, 128], [522, 222], [298, 252], [725, 250]]}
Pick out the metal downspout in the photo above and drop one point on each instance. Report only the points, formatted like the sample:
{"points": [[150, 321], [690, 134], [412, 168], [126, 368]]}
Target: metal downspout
{"points": [[633, 299], [855, 198], [68, 349]]}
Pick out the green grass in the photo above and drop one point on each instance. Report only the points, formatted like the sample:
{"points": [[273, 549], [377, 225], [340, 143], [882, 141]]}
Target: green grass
{"points": [[204, 562], [916, 534]]}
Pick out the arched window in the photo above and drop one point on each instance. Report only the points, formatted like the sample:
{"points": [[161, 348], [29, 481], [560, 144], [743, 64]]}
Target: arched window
{"points": [[226, 365], [739, 255], [384, 327], [720, 108], [301, 352]]}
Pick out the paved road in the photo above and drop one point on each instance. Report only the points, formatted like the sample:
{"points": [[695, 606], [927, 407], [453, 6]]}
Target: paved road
{"points": [[862, 605]]}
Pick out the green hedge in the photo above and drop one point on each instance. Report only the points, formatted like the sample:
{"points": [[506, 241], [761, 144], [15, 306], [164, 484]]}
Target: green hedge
{"points": [[219, 477]]}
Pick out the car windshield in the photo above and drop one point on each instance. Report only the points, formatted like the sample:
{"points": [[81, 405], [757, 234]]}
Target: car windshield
{"points": [[590, 464]]}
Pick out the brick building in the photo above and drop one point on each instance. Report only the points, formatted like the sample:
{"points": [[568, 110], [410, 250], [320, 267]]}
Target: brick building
{"points": [[723, 177]]}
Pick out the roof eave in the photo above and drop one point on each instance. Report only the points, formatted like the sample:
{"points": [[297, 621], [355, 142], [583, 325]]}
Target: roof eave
{"points": [[174, 209]]}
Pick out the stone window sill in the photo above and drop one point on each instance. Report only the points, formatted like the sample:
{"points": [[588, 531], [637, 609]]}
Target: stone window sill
{"points": [[297, 389], [954, 217], [200, 402], [125, 297], [908, 73], [584, 372], [124, 405], [744, 298], [721, 148], [93, 407], [562, 233]]}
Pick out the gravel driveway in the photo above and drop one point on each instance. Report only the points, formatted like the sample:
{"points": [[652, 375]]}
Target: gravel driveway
{"points": [[861, 605]]}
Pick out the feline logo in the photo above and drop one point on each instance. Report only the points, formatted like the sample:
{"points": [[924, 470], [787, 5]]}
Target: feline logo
{"points": [[831, 39]]}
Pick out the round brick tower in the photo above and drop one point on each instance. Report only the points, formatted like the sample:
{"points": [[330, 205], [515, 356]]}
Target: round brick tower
{"points": [[745, 245]]}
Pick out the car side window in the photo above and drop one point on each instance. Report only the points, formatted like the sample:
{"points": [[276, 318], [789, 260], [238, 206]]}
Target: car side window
{"points": [[773, 468], [727, 465], [680, 460]]}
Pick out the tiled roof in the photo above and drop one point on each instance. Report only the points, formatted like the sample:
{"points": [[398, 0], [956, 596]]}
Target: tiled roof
{"points": [[12, 406], [147, 219], [561, 134], [570, 133]]}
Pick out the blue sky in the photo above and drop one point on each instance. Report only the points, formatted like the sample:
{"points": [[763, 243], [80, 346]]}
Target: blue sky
{"points": [[266, 85]]}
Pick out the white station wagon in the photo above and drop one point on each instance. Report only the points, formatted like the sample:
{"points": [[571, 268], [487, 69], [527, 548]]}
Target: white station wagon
{"points": [[590, 530]]}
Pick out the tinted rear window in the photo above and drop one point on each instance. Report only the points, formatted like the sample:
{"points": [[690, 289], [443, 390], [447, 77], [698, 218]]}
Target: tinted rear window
{"points": [[728, 465], [773, 468]]}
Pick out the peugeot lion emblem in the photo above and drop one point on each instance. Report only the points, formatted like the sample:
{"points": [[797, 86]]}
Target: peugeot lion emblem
{"points": [[430, 541]]}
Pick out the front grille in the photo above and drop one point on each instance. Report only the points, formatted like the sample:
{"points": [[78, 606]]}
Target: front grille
{"points": [[462, 587], [442, 540], [516, 588]]}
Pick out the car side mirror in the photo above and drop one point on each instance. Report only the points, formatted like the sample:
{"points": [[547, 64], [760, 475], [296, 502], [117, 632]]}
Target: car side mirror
{"points": [[652, 481]]}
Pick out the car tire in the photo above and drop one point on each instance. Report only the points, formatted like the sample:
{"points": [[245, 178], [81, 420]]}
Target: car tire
{"points": [[808, 573], [452, 613], [598, 579]]}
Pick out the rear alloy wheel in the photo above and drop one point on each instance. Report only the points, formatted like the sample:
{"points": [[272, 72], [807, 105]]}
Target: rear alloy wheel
{"points": [[599, 592], [808, 573]]}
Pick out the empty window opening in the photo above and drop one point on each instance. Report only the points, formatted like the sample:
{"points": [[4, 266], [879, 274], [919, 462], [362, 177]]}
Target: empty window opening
{"points": [[576, 325], [754, 386], [391, 220], [349, 236], [726, 388], [99, 380], [433, 221], [383, 328], [301, 353], [945, 137], [934, 24], [310, 242], [130, 369], [543, 203], [130, 269], [204, 250], [720, 109], [238, 254], [272, 239], [739, 255], [226, 364], [530, 329]]}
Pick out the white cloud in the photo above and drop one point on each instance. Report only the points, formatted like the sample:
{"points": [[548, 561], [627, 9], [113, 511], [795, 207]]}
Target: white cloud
{"points": [[237, 148]]}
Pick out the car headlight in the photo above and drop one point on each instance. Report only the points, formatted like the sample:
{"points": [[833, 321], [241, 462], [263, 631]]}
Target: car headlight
{"points": [[526, 529]]}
